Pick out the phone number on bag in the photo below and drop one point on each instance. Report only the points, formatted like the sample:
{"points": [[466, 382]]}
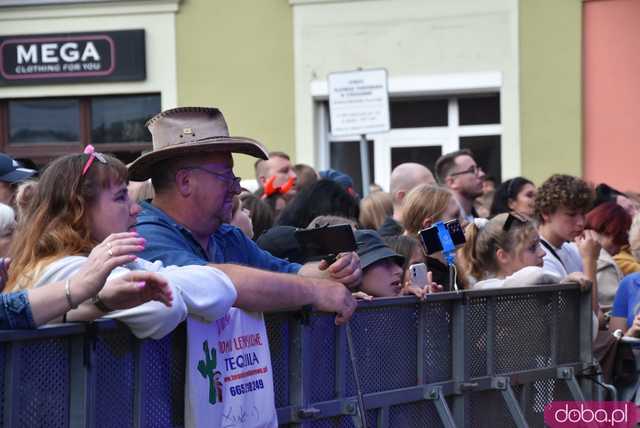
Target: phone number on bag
{"points": [[246, 387]]}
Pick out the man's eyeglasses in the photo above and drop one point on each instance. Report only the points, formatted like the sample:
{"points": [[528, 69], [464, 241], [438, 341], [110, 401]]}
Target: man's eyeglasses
{"points": [[475, 170], [231, 180], [93, 155]]}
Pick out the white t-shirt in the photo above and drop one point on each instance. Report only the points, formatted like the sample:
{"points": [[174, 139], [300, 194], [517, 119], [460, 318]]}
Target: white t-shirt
{"points": [[199, 290], [570, 260], [229, 377], [525, 277]]}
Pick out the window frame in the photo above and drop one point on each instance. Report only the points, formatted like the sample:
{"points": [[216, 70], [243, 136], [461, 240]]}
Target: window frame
{"points": [[449, 86], [42, 152]]}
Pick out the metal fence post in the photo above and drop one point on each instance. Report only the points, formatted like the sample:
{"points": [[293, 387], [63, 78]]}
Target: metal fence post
{"points": [[138, 385], [11, 371], [586, 340], [296, 367], [446, 419], [78, 382], [512, 405], [459, 367], [422, 314], [491, 336]]}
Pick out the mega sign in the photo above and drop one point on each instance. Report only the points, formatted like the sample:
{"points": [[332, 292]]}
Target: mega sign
{"points": [[115, 56]]}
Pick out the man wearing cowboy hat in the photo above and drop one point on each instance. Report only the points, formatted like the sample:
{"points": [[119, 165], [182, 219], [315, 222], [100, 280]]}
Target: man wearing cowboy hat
{"points": [[191, 169]]}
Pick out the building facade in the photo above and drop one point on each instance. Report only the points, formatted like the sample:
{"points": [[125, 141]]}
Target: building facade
{"points": [[501, 77], [78, 73]]}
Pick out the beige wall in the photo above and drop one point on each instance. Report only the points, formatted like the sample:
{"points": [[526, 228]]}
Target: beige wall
{"points": [[238, 55], [413, 40], [550, 87]]}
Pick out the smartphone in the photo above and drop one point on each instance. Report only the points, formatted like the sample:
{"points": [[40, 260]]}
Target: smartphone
{"points": [[431, 240], [418, 273], [326, 242]]}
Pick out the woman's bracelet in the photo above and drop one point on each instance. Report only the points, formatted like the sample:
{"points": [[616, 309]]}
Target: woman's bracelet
{"points": [[67, 292], [99, 303]]}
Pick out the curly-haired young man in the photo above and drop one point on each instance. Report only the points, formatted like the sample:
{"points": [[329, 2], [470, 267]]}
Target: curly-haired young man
{"points": [[561, 205]]}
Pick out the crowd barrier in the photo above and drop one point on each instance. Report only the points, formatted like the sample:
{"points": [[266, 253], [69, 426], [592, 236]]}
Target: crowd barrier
{"points": [[469, 359]]}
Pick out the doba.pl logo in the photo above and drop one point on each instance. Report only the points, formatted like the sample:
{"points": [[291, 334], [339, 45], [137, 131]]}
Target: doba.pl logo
{"points": [[597, 414]]}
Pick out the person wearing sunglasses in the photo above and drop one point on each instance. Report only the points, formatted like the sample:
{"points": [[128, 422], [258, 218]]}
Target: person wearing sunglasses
{"points": [[461, 174], [506, 252]]}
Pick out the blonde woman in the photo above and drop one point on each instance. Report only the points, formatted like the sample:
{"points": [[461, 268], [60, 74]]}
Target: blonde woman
{"points": [[80, 205], [374, 209], [424, 206]]}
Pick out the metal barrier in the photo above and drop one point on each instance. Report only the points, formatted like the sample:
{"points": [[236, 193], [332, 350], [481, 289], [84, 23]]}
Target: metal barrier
{"points": [[476, 358]]}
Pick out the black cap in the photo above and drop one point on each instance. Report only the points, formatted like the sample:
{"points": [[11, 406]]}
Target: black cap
{"points": [[371, 248], [281, 242], [11, 171]]}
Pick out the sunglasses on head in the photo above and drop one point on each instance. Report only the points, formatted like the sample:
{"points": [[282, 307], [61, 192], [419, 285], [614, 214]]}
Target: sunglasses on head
{"points": [[93, 155], [513, 216]]}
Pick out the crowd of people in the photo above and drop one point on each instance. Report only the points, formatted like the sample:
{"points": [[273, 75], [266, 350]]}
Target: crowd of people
{"points": [[174, 237]]}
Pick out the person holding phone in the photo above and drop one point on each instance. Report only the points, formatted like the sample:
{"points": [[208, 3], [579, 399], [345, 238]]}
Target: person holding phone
{"points": [[506, 252], [425, 205], [415, 269]]}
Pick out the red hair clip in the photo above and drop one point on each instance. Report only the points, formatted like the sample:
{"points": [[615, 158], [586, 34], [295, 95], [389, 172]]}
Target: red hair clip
{"points": [[91, 151]]}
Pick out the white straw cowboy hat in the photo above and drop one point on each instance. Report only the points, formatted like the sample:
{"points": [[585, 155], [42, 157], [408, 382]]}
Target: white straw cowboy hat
{"points": [[190, 130]]}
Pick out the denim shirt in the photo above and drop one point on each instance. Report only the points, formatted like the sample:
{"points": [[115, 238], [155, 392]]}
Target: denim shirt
{"points": [[174, 244], [15, 312]]}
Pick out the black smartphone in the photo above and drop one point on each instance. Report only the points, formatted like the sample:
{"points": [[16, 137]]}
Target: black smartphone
{"points": [[431, 240], [325, 243]]}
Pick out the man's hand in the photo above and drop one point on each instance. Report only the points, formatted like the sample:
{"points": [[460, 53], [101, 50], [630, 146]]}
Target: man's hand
{"points": [[331, 296], [346, 269]]}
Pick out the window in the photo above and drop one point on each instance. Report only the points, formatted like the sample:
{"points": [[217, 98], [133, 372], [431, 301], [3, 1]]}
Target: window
{"points": [[426, 156], [486, 151], [418, 113], [122, 119], [479, 110], [422, 129], [44, 128], [44, 121], [345, 157]]}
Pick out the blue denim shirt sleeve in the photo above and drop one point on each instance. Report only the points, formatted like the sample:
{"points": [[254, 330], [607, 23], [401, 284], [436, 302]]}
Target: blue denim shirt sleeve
{"points": [[259, 258], [16, 311]]}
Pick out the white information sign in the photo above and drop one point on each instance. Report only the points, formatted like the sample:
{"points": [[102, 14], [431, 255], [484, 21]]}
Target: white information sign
{"points": [[359, 102]]}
